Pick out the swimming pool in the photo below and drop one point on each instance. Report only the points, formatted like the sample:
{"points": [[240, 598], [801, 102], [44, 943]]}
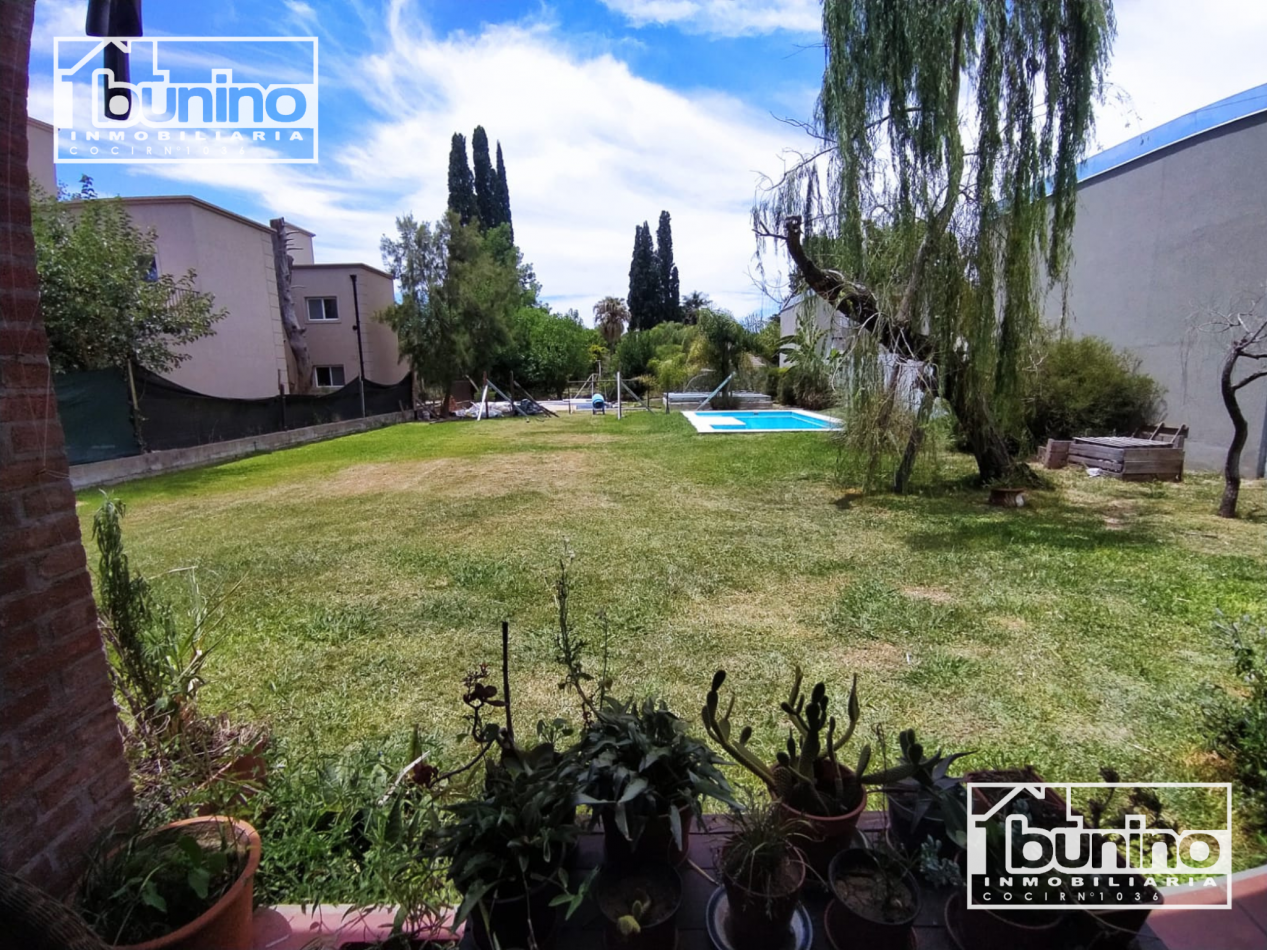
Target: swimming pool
{"points": [[760, 420]]}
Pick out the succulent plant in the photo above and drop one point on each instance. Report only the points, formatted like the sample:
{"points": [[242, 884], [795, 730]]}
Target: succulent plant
{"points": [[807, 775], [631, 923]]}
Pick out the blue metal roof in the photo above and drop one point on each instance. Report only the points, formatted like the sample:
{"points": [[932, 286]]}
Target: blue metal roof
{"points": [[1243, 104]]}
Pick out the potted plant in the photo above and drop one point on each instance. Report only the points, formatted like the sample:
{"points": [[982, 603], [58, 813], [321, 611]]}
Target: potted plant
{"points": [[988, 929], [640, 904], [187, 885], [762, 872], [917, 806], [507, 845], [506, 848], [1118, 928], [808, 779], [875, 900], [645, 776]]}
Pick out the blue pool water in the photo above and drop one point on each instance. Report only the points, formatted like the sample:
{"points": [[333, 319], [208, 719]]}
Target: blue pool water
{"points": [[763, 420]]}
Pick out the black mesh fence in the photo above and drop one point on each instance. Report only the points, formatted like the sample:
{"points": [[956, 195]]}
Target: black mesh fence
{"points": [[96, 415], [173, 417]]}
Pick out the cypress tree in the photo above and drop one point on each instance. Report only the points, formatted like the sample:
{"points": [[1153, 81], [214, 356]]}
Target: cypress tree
{"points": [[461, 182], [503, 194], [645, 298], [670, 305], [485, 182]]}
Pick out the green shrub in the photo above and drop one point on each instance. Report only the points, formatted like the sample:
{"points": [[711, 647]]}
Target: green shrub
{"points": [[1237, 720], [807, 379], [350, 827], [634, 353], [1084, 386]]}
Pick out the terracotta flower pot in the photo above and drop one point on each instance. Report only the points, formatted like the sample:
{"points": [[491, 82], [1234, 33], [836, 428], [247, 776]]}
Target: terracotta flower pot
{"points": [[761, 920], [654, 844], [825, 837], [250, 771], [850, 924], [226, 924]]}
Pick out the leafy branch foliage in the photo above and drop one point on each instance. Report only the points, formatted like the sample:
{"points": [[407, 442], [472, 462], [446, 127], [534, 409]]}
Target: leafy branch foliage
{"points": [[459, 288], [1237, 719], [103, 300]]}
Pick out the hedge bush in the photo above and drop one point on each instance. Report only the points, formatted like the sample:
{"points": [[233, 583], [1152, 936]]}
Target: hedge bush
{"points": [[1085, 386]]}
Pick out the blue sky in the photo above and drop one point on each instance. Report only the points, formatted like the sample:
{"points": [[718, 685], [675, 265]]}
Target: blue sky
{"points": [[607, 113]]}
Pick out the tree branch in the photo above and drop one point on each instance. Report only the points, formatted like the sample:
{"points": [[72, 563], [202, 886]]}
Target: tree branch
{"points": [[855, 301], [1249, 379], [941, 220]]}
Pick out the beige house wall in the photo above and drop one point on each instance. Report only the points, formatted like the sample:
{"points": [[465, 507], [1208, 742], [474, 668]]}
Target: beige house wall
{"points": [[232, 257], [300, 244], [233, 260], [333, 343], [39, 155]]}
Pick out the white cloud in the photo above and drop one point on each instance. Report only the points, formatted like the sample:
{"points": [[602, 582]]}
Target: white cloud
{"points": [[724, 17], [300, 10], [591, 151], [56, 18], [1173, 56]]}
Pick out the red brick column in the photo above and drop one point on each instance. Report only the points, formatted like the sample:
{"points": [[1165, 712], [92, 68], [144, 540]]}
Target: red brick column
{"points": [[63, 776]]}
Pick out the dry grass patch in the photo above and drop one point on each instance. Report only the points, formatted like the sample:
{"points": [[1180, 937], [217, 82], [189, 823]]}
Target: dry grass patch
{"points": [[1014, 624], [491, 475]]}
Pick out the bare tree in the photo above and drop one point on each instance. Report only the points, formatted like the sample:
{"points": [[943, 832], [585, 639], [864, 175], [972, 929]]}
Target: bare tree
{"points": [[295, 338], [1246, 332]]}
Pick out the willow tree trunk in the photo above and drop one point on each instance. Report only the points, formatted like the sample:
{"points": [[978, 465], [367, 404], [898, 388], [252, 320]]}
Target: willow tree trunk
{"points": [[295, 337], [1240, 431], [857, 304]]}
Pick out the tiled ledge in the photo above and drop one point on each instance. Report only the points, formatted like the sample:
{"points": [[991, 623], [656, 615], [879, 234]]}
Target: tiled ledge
{"points": [[1171, 927]]}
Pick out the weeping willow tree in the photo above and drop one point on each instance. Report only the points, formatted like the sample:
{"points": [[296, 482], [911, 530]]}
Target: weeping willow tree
{"points": [[939, 204]]}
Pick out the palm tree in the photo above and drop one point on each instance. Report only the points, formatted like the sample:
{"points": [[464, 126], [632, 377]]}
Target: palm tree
{"points": [[610, 318], [692, 304]]}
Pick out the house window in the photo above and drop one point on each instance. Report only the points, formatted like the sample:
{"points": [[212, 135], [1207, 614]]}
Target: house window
{"points": [[329, 377], [323, 309]]}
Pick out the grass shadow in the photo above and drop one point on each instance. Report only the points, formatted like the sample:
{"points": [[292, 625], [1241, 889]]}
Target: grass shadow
{"points": [[959, 521]]}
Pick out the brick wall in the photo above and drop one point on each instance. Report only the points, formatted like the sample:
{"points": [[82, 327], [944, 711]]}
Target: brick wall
{"points": [[63, 776]]}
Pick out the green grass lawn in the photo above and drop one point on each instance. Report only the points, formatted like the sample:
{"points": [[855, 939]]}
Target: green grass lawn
{"points": [[375, 570]]}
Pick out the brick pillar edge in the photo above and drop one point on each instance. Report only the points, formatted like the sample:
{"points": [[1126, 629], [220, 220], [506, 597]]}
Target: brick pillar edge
{"points": [[63, 775]]}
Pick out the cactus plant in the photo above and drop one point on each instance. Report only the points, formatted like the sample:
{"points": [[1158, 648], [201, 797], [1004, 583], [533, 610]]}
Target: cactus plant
{"points": [[806, 775]]}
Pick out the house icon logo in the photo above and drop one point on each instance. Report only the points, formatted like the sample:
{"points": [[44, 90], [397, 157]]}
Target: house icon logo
{"points": [[185, 99], [1029, 848]]}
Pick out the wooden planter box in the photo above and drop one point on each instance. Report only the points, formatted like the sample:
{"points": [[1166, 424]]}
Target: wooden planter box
{"points": [[1132, 460]]}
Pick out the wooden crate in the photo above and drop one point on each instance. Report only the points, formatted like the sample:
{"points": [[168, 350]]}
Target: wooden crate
{"points": [[1056, 453], [1133, 459], [1142, 465]]}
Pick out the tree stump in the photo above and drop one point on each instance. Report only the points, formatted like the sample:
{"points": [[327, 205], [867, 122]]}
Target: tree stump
{"points": [[1007, 497]]}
